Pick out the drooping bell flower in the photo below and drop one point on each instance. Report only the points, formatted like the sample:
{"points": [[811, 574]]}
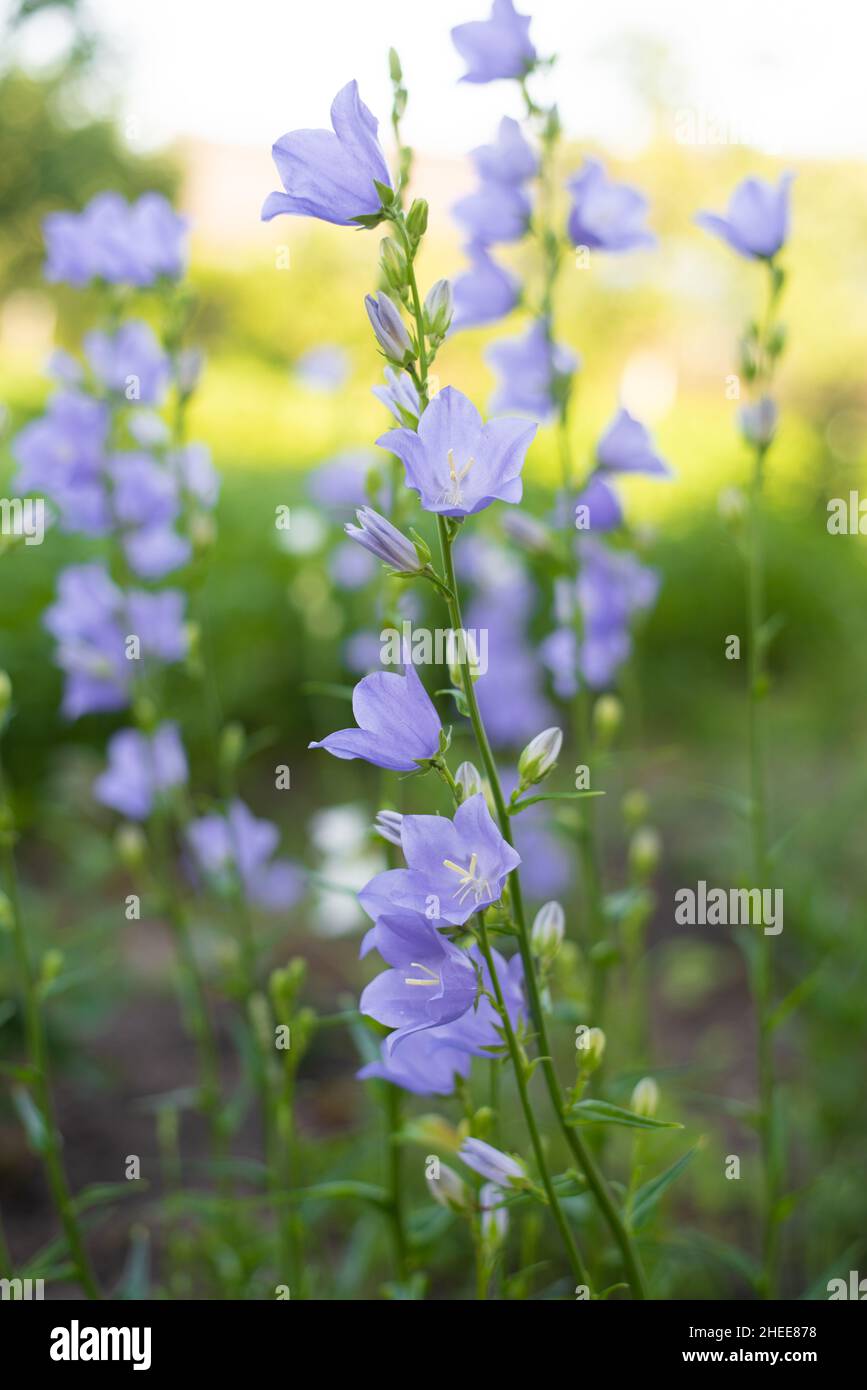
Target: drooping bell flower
{"points": [[331, 174], [496, 47], [431, 981], [398, 727], [456, 463], [626, 447], [756, 224], [606, 216], [141, 767]]}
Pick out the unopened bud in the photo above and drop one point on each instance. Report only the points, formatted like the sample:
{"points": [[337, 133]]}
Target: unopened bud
{"points": [[644, 851], [449, 1189], [389, 328], [130, 844], [645, 1098], [232, 742], [758, 421], [607, 717], [494, 1216], [591, 1048], [5, 693], [548, 929], [388, 824], [732, 505], [392, 259], [540, 756], [438, 309], [52, 964], [416, 219], [469, 779], [635, 806], [463, 644]]}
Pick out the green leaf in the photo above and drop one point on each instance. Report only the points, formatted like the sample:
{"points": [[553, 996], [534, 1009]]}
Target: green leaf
{"points": [[31, 1118], [646, 1198], [602, 1112], [517, 806], [793, 1000]]}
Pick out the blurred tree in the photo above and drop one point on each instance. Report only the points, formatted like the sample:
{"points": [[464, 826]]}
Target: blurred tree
{"points": [[53, 152]]}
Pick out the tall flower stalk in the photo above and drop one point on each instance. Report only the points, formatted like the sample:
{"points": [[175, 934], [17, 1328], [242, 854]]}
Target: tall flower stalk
{"points": [[46, 1135], [756, 227]]}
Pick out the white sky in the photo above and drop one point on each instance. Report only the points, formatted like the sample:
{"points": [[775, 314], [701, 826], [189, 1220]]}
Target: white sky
{"points": [[787, 74]]}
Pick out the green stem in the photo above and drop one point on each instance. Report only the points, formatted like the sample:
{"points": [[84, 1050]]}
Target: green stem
{"points": [[579, 1150], [397, 1216], [520, 1068], [38, 1053]]}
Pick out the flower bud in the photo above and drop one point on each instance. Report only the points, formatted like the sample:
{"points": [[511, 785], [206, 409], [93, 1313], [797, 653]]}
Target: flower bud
{"points": [[449, 1189], [387, 824], [645, 1098], [644, 851], [493, 1164], [494, 1216], [590, 1044], [392, 259], [758, 421], [469, 779], [607, 717], [548, 929], [389, 328], [5, 694], [463, 641], [260, 1020], [232, 742], [383, 540], [416, 219], [7, 915], [52, 964], [540, 756], [190, 362], [635, 807], [130, 845], [438, 309], [732, 505]]}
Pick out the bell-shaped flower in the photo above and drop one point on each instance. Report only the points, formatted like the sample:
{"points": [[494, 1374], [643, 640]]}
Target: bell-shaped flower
{"points": [[606, 216], [140, 768], [626, 447], [756, 224], [431, 981], [485, 292], [510, 159], [457, 464], [454, 867], [398, 726], [495, 47], [331, 174], [494, 212], [533, 371], [238, 843]]}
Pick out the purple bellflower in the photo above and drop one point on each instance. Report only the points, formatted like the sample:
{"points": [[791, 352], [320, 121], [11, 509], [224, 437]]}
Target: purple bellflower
{"points": [[496, 47], [531, 370], [429, 1061], [430, 982], [510, 159], [140, 768], [626, 447], [116, 242], [457, 866], [331, 174], [130, 362], [493, 1164], [400, 396], [606, 216], [756, 224], [238, 843], [604, 512], [383, 540], [485, 292], [494, 212], [398, 725], [61, 455], [457, 464]]}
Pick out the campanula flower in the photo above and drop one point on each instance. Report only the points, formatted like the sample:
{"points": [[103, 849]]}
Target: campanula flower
{"points": [[130, 363], [457, 464], [626, 447], [430, 982], [758, 420], [383, 540], [389, 328], [116, 242], [61, 456], [388, 825], [400, 396], [757, 222], [429, 1061], [497, 1167], [532, 372], [494, 212], [510, 159], [239, 843], [140, 767], [603, 509], [398, 726], [330, 174], [485, 292], [455, 867], [92, 621], [495, 47], [606, 216]]}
